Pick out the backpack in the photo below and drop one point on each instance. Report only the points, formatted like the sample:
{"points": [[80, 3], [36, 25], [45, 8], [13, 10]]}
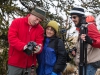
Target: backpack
{"points": [[56, 48]]}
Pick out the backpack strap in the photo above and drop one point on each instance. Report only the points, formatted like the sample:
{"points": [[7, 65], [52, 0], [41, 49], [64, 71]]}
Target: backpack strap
{"points": [[56, 45], [56, 50]]}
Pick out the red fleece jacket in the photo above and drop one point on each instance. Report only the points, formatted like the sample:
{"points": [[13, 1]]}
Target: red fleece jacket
{"points": [[19, 35]]}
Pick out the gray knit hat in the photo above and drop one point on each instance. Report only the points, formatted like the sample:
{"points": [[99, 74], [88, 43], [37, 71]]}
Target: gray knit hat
{"points": [[39, 13]]}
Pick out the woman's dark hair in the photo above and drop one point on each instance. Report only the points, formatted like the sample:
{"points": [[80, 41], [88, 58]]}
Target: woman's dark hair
{"points": [[51, 28]]}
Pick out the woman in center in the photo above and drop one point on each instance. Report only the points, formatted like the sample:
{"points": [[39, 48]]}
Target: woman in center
{"points": [[52, 60]]}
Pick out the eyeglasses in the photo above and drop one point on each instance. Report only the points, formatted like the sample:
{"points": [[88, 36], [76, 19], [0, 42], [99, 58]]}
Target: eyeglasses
{"points": [[74, 17]]}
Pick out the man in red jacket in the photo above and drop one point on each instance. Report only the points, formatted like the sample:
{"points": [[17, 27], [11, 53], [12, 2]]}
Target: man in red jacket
{"points": [[92, 39], [25, 37]]}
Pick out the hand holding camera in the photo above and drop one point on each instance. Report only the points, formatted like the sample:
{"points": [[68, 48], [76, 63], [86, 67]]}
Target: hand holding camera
{"points": [[30, 47], [73, 51], [37, 48]]}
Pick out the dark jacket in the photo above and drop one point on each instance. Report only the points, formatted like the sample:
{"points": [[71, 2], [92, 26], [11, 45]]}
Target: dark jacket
{"points": [[51, 60]]}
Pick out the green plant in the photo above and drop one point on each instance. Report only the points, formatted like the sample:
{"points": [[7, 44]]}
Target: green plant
{"points": [[3, 62]]}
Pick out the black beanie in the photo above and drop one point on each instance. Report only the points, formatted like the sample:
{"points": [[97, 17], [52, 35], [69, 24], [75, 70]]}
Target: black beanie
{"points": [[77, 11]]}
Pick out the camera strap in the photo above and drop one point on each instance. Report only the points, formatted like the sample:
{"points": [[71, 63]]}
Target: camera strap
{"points": [[26, 72], [56, 45], [32, 69]]}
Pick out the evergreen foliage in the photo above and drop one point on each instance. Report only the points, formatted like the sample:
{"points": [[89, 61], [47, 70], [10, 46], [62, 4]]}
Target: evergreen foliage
{"points": [[9, 10]]}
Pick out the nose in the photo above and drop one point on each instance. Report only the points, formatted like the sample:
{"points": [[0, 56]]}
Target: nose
{"points": [[48, 30]]}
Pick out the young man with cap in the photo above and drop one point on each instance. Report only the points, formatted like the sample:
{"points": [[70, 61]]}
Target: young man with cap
{"points": [[52, 60], [92, 39], [25, 37]]}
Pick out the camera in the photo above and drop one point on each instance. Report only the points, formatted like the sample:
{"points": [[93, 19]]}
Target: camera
{"points": [[30, 47], [83, 20], [73, 49]]}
